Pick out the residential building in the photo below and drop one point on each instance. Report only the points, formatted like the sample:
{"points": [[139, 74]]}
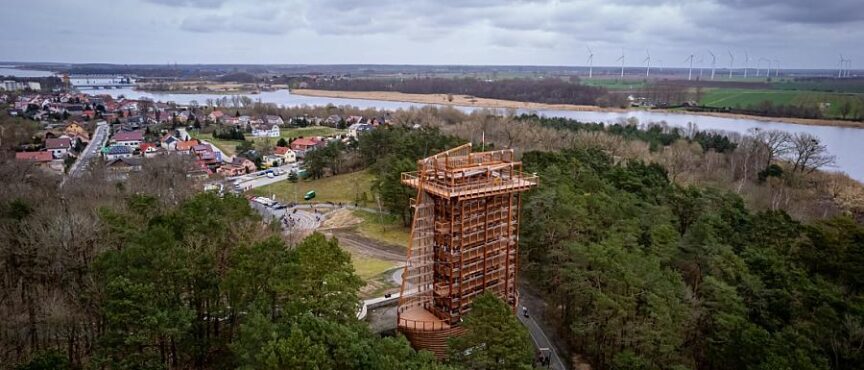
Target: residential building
{"points": [[59, 147], [304, 144], [272, 160], [288, 155], [356, 129], [266, 130], [186, 146], [245, 163], [231, 170], [40, 158], [131, 139], [168, 142], [273, 120], [125, 164], [116, 152], [215, 116]]}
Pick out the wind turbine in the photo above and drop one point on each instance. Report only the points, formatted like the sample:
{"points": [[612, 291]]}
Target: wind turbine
{"points": [[768, 73], [840, 66], [776, 68], [690, 73], [713, 64], [746, 64], [647, 59], [848, 67], [731, 63], [622, 63], [590, 62], [701, 65]]}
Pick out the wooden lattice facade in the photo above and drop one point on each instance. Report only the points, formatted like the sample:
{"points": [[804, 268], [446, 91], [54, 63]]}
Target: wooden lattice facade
{"points": [[464, 240]]}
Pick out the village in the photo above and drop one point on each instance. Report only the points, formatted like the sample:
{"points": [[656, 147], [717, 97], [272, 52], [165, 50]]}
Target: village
{"points": [[136, 130]]}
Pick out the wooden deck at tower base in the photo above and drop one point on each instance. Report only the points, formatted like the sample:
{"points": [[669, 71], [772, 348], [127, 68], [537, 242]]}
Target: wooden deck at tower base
{"points": [[464, 240]]}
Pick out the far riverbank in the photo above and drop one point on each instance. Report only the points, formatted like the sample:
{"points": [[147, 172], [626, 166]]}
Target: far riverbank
{"points": [[470, 101]]}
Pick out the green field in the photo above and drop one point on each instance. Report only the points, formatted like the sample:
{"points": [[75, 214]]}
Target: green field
{"points": [[341, 188], [742, 98], [614, 84], [310, 131], [368, 267]]}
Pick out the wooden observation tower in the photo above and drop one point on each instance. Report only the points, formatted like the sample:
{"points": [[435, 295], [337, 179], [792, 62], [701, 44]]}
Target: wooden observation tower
{"points": [[464, 240]]}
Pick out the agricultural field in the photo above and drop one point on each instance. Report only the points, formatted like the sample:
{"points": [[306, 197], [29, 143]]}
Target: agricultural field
{"points": [[614, 84], [831, 102], [345, 188]]}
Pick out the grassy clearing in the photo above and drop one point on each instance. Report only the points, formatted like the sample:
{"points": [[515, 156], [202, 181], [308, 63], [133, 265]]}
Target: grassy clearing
{"points": [[288, 133], [368, 267], [389, 231], [341, 188]]}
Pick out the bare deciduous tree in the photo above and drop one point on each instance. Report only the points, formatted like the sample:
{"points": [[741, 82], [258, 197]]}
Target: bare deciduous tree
{"points": [[808, 154]]}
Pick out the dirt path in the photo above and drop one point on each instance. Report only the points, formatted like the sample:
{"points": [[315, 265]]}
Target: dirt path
{"points": [[349, 239]]}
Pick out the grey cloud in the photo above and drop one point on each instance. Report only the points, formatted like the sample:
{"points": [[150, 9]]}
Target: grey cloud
{"points": [[190, 3], [803, 11]]}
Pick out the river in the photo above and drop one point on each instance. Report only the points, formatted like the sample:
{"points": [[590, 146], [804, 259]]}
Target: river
{"points": [[842, 142]]}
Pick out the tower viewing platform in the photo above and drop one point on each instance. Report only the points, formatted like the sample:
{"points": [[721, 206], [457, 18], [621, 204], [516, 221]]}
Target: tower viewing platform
{"points": [[464, 240]]}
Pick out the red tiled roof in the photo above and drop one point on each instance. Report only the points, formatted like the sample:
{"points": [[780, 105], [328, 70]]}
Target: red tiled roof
{"points": [[61, 143], [281, 150], [34, 156], [137, 135], [186, 145], [306, 141]]}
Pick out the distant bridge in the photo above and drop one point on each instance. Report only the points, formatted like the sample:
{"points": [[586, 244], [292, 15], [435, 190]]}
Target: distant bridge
{"points": [[96, 82]]}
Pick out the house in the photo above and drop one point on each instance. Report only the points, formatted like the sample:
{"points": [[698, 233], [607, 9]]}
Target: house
{"points": [[304, 144], [266, 130], [333, 120], [59, 147], [131, 139], [273, 120], [40, 158], [288, 155], [116, 151], [231, 170], [186, 146], [215, 116], [272, 160], [356, 129], [168, 142], [125, 164], [75, 129], [245, 163], [150, 150]]}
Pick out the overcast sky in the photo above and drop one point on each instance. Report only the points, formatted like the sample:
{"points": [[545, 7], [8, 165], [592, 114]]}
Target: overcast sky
{"points": [[799, 33]]}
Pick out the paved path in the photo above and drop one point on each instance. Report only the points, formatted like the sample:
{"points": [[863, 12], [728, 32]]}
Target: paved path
{"points": [[100, 136], [540, 338]]}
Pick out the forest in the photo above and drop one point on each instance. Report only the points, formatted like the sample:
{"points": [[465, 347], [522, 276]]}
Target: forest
{"points": [[135, 278], [645, 272], [551, 91]]}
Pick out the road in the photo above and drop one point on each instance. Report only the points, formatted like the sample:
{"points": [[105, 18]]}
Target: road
{"points": [[100, 137], [540, 338]]}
